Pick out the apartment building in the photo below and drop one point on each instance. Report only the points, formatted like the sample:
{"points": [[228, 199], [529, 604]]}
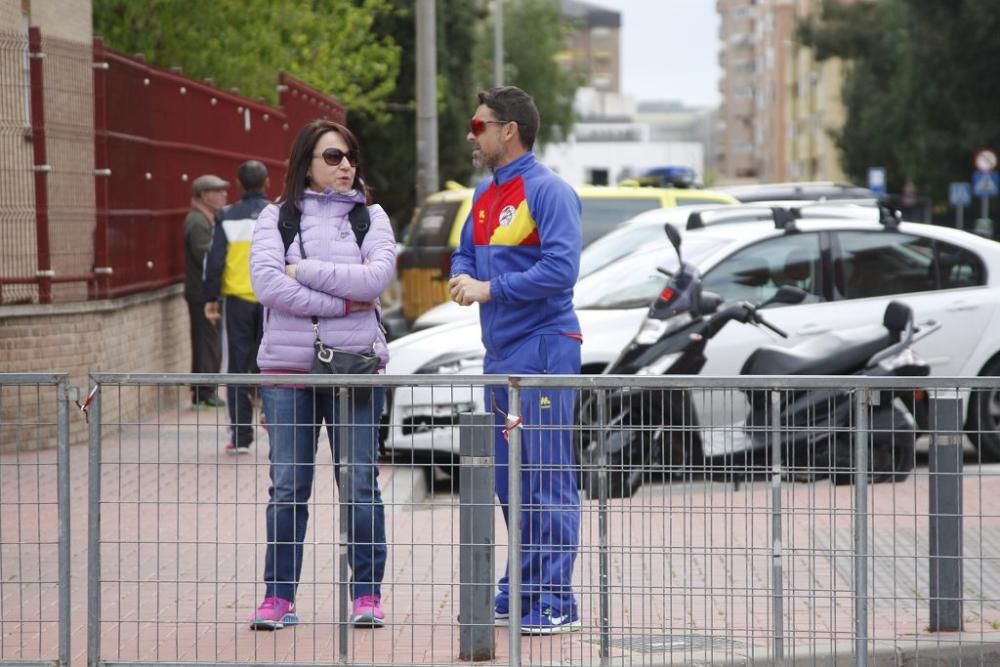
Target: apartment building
{"points": [[779, 105], [594, 48], [815, 110], [754, 36]]}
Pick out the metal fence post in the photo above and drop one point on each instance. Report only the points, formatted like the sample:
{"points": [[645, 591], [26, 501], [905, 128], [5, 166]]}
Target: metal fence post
{"points": [[514, 521], [94, 529], [36, 57], [777, 569], [604, 558], [945, 511], [343, 496], [63, 500], [863, 400], [477, 639]]}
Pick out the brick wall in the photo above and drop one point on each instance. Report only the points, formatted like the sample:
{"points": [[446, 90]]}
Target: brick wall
{"points": [[142, 333]]}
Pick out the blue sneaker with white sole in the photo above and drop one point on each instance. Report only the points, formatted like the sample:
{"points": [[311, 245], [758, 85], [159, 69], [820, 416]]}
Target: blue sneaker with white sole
{"points": [[548, 621], [501, 610]]}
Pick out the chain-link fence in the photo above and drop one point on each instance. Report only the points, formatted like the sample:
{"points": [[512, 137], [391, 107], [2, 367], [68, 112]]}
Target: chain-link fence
{"points": [[694, 521], [34, 519]]}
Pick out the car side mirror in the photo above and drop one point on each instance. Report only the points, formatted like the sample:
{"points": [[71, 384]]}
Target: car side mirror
{"points": [[708, 303], [789, 295]]}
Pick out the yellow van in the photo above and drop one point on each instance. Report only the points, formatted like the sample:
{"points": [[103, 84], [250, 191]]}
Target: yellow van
{"points": [[425, 262]]}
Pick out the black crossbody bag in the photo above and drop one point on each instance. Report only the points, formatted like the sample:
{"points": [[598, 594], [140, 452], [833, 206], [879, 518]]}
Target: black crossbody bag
{"points": [[331, 360]]}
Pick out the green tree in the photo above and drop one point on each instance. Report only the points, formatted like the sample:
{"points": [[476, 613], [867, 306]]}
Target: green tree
{"points": [[391, 142], [534, 34], [919, 94], [328, 43]]}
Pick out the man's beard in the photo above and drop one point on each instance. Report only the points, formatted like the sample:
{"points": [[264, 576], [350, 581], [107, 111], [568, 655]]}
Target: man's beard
{"points": [[483, 160]]}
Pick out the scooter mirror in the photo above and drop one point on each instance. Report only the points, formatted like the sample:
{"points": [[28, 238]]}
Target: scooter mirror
{"points": [[673, 236]]}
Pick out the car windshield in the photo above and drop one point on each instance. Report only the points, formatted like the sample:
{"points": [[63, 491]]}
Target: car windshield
{"points": [[617, 244], [433, 224], [601, 214], [634, 282]]}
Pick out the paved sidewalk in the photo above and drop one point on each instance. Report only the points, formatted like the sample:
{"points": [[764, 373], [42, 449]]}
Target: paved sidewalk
{"points": [[689, 579]]}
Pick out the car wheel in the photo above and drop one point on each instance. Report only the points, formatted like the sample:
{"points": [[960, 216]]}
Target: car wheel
{"points": [[983, 423]]}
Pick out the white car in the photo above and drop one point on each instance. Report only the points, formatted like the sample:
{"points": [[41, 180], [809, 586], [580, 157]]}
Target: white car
{"points": [[851, 268], [647, 227]]}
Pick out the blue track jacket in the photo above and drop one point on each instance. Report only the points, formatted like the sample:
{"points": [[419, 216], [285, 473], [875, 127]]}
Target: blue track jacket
{"points": [[523, 236]]}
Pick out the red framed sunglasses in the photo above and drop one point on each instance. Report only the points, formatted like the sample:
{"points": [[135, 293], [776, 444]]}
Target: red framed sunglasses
{"points": [[334, 156], [477, 125]]}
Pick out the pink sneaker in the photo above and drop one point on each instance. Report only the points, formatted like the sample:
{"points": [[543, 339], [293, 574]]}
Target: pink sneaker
{"points": [[274, 614], [368, 612]]}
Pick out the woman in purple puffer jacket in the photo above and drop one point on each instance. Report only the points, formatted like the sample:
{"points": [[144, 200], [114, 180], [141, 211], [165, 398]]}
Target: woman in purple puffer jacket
{"points": [[339, 283]]}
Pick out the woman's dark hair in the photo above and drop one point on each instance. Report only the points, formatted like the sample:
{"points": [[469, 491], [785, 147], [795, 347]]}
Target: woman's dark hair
{"points": [[297, 178]]}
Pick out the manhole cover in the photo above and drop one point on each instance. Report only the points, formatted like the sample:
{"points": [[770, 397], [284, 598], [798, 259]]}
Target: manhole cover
{"points": [[664, 643]]}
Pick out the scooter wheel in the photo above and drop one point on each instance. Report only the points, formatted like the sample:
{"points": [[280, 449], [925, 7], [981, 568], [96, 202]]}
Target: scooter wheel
{"points": [[888, 461], [620, 483]]}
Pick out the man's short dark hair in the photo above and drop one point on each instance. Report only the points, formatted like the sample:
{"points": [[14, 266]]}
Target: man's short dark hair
{"points": [[512, 103], [252, 175]]}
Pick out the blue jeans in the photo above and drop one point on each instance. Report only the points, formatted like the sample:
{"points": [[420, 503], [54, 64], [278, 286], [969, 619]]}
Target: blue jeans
{"points": [[294, 417]]}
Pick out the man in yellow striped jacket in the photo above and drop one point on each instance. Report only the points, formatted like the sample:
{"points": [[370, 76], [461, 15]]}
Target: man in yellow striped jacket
{"points": [[227, 275]]}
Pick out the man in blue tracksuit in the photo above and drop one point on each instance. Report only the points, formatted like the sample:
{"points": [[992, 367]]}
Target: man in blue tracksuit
{"points": [[519, 258], [227, 274]]}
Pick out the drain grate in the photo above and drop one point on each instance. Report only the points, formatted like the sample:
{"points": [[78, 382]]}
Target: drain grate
{"points": [[665, 643]]}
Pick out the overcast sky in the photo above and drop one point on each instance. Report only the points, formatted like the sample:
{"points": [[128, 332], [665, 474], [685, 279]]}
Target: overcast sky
{"points": [[669, 49]]}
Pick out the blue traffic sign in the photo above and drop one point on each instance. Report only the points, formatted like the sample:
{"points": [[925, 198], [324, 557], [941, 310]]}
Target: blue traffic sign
{"points": [[985, 184], [959, 194], [876, 180]]}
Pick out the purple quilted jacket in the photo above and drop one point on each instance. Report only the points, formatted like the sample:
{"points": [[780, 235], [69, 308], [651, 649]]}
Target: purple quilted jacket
{"points": [[334, 272]]}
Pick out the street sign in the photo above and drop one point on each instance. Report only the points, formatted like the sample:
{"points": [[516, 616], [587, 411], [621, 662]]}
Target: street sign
{"points": [[959, 194], [986, 160], [985, 184], [876, 180]]}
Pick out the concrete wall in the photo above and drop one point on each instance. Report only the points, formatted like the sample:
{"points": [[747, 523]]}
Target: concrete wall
{"points": [[70, 20]]}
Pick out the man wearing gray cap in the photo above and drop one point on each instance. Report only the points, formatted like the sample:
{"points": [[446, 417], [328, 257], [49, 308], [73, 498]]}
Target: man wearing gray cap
{"points": [[208, 196]]}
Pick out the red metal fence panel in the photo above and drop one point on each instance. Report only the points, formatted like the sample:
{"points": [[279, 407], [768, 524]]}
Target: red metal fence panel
{"points": [[97, 154], [163, 130]]}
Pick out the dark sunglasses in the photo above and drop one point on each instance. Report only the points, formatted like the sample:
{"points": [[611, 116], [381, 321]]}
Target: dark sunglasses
{"points": [[334, 156], [477, 125]]}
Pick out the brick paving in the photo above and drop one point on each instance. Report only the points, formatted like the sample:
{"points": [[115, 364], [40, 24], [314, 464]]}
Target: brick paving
{"points": [[689, 576]]}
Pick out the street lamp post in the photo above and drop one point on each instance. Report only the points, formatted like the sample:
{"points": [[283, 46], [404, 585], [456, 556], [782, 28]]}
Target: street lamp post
{"points": [[427, 121]]}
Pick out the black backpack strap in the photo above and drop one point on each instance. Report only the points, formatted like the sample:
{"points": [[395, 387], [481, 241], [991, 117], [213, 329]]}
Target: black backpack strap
{"points": [[289, 218], [360, 222]]}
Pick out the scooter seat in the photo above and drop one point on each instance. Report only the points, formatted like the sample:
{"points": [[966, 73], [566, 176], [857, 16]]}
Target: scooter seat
{"points": [[830, 354]]}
